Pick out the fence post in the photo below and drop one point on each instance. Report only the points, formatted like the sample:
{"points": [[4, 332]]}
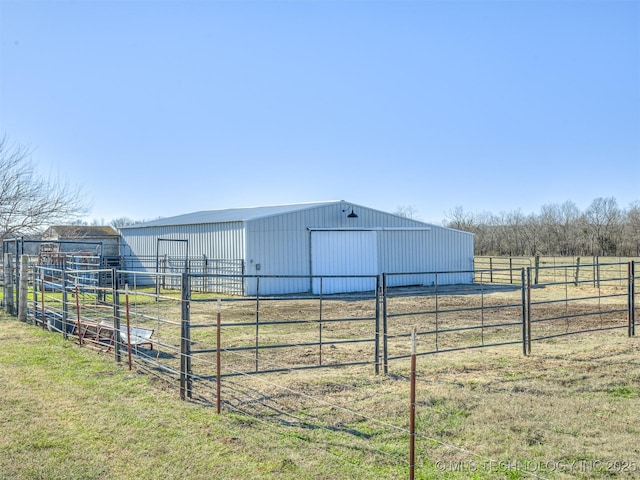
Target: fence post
{"points": [[510, 271], [185, 341], [8, 284], [528, 317], [537, 265], [218, 358], [523, 289], [205, 271], [632, 299], [128, 319], [116, 314], [35, 295], [24, 288], [412, 414], [577, 271], [257, 333], [377, 328], [43, 317], [65, 305], [438, 309], [320, 324], [385, 331], [490, 269]]}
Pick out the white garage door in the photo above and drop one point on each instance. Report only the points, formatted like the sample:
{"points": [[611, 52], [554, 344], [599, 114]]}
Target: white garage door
{"points": [[344, 253]]}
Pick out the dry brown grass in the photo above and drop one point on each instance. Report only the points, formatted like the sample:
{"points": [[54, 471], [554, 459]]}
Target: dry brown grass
{"points": [[491, 315], [570, 410]]}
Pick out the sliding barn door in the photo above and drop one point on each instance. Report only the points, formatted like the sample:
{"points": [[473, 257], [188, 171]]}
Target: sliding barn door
{"points": [[343, 253]]}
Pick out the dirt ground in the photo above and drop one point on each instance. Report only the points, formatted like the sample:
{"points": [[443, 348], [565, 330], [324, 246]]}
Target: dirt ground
{"points": [[570, 409]]}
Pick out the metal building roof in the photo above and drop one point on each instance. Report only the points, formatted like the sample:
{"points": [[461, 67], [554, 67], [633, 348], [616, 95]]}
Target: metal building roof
{"points": [[230, 215], [78, 232]]}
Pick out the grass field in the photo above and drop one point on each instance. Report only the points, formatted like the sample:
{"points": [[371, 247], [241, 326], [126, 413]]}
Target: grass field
{"points": [[571, 410], [68, 413]]}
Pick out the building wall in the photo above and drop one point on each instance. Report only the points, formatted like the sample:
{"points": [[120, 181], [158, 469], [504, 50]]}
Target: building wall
{"points": [[280, 245], [436, 250], [216, 241]]}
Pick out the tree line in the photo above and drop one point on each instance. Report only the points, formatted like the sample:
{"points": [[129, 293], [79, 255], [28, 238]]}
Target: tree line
{"points": [[604, 228]]}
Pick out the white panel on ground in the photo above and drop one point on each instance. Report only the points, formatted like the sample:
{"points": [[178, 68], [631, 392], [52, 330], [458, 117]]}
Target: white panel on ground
{"points": [[344, 253]]}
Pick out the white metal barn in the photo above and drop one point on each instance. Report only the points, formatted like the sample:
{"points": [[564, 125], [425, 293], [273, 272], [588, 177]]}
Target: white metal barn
{"points": [[304, 241]]}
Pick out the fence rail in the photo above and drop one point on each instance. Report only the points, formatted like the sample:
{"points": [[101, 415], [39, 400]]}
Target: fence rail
{"points": [[165, 324], [211, 275]]}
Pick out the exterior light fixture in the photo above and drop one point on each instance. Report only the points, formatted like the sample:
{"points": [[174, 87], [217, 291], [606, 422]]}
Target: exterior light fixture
{"points": [[352, 214]]}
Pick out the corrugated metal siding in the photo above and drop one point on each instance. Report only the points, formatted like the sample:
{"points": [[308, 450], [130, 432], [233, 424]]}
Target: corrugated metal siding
{"points": [[436, 250], [280, 245], [224, 240]]}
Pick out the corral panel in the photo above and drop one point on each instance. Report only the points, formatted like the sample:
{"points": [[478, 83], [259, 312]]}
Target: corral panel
{"points": [[216, 241]]}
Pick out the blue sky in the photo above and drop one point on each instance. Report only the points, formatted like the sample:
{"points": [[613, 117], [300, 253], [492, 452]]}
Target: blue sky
{"points": [[163, 108]]}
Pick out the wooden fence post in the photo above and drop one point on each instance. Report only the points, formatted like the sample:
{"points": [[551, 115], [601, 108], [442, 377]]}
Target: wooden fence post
{"points": [[36, 275], [23, 288], [8, 284], [65, 304]]}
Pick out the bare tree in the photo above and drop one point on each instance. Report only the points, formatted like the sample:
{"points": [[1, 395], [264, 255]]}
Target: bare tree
{"points": [[632, 229], [119, 222], [515, 232], [407, 211], [605, 225], [28, 202], [460, 220], [559, 229]]}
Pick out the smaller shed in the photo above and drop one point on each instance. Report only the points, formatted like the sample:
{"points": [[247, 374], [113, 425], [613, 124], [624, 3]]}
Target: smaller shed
{"points": [[98, 240]]}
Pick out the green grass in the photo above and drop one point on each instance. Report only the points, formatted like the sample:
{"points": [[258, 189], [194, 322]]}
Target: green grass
{"points": [[571, 410], [68, 413], [625, 391]]}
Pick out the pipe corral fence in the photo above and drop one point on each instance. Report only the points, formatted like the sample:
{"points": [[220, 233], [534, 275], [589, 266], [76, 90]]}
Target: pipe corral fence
{"points": [[168, 324]]}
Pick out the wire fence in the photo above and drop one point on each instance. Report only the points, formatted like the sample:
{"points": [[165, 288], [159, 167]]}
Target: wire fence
{"points": [[225, 350], [211, 275], [551, 269], [182, 331], [450, 318]]}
